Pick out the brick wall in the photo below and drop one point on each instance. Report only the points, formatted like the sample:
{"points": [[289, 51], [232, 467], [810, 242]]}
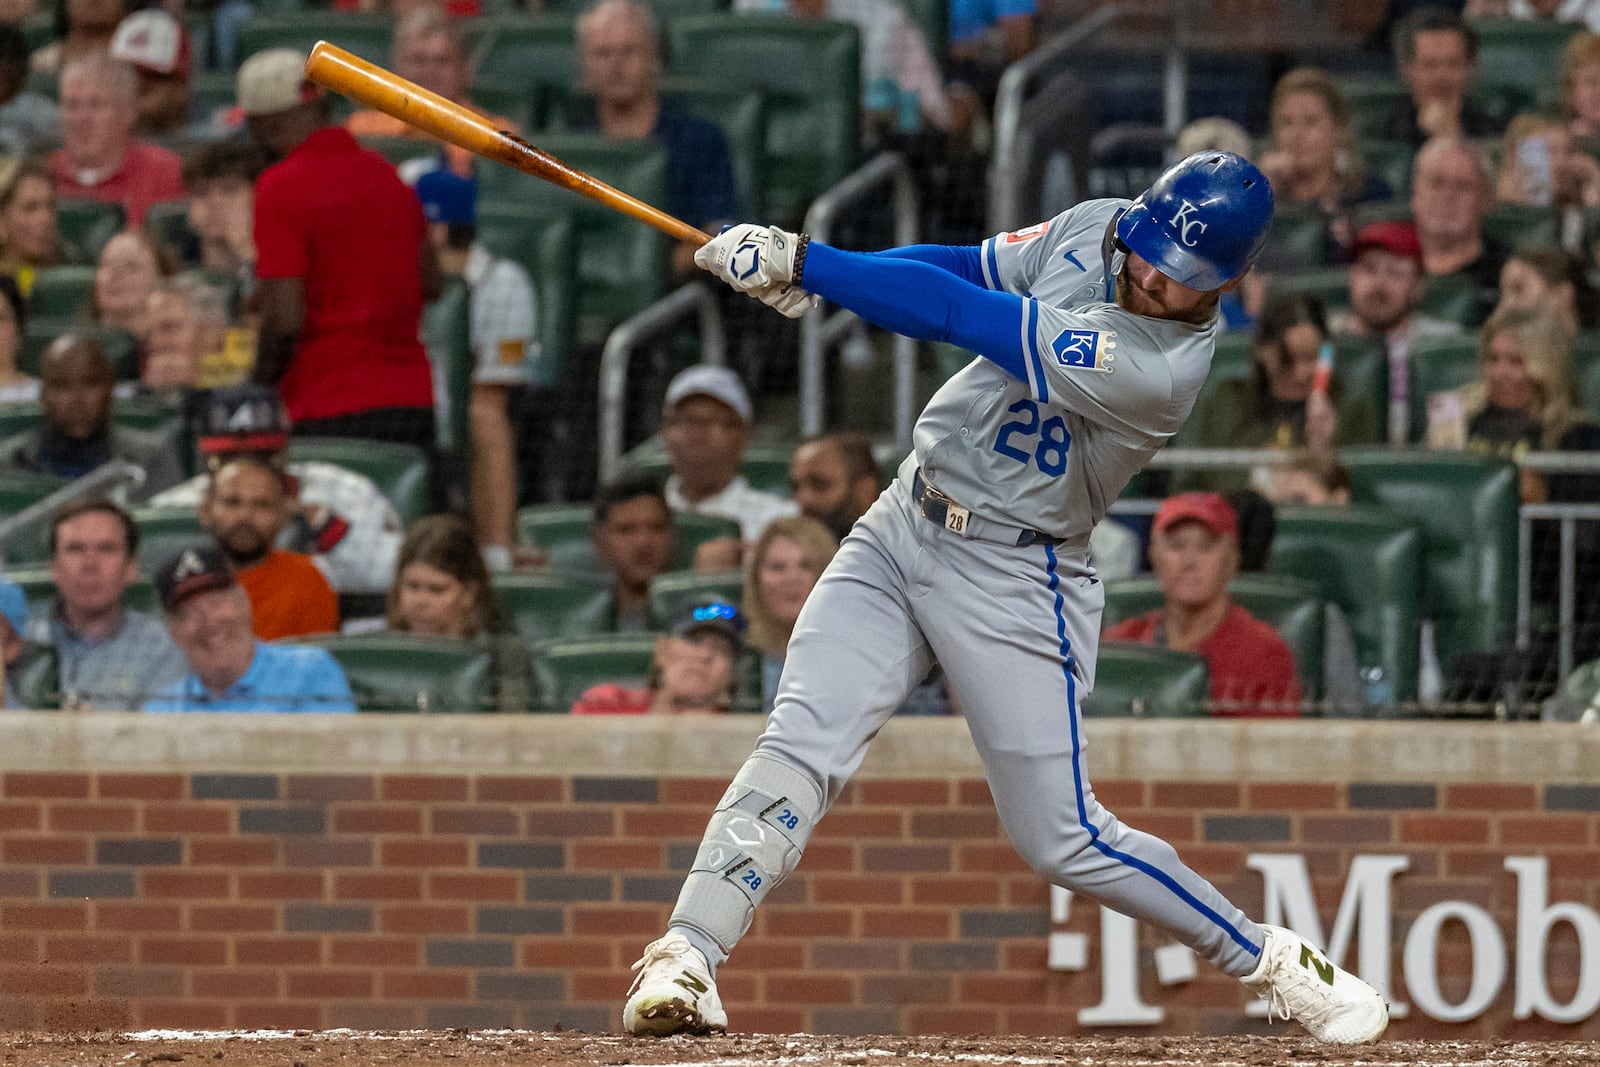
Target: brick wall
{"points": [[298, 895]]}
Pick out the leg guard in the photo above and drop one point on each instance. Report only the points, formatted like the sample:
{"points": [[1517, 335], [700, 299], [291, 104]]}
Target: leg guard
{"points": [[755, 839]]}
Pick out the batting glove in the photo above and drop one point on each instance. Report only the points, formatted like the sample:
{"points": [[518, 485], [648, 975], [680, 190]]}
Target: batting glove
{"points": [[790, 300], [750, 258]]}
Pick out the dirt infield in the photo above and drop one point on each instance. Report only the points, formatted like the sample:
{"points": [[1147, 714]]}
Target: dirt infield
{"points": [[534, 1049]]}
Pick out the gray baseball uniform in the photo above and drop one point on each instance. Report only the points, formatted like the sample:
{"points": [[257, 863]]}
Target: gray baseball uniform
{"points": [[990, 575]]}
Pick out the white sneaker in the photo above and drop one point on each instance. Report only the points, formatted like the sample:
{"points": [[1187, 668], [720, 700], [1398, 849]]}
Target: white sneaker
{"points": [[1302, 984], [674, 992]]}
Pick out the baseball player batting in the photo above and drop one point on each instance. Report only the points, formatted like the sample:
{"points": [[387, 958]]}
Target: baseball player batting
{"points": [[1095, 332]]}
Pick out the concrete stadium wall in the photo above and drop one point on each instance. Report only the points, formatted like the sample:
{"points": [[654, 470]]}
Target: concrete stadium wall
{"points": [[439, 871]]}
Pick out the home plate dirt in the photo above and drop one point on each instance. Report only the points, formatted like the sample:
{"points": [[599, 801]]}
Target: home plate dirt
{"points": [[346, 1048]]}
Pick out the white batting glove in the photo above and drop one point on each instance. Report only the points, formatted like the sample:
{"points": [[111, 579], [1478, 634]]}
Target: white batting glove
{"points": [[789, 300], [750, 258]]}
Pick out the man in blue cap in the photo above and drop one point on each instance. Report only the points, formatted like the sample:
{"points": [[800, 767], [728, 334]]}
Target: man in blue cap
{"points": [[505, 353]]}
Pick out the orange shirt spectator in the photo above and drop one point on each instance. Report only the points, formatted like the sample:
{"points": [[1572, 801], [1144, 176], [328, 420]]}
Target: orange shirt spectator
{"points": [[289, 597]]}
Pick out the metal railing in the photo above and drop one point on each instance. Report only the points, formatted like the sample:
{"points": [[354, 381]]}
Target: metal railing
{"points": [[627, 338], [110, 478], [818, 330]]}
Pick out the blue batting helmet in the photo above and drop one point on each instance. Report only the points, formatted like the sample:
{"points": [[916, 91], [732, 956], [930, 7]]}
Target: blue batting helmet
{"points": [[1203, 221]]}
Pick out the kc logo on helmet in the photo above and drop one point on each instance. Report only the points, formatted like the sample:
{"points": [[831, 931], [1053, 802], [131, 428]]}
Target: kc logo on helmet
{"points": [[1084, 350], [1187, 226]]}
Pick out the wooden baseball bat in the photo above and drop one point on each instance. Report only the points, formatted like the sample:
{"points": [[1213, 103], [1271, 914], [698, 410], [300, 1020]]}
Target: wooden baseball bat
{"points": [[383, 90]]}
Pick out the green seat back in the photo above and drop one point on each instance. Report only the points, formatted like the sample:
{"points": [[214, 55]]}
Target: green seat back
{"points": [[86, 225], [1298, 238], [1292, 606], [546, 606], [741, 115], [211, 91], [1438, 365], [120, 345], [537, 55], [665, 10], [766, 466], [1148, 680], [398, 149], [562, 530], [368, 35], [1519, 54], [1362, 370], [1586, 371], [38, 681], [19, 418], [545, 244], [621, 263], [163, 532], [1331, 285], [403, 672], [565, 668], [1371, 100], [1369, 563], [1453, 297], [672, 593], [40, 589], [447, 331], [63, 292], [1467, 508], [1392, 161], [400, 471], [168, 222], [521, 105], [19, 489], [1521, 225], [810, 74]]}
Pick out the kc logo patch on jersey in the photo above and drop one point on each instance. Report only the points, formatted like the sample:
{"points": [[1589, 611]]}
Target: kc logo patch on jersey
{"points": [[1084, 349], [1016, 237]]}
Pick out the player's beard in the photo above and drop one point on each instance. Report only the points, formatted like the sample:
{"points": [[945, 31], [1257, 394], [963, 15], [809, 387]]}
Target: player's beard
{"points": [[1131, 298]]}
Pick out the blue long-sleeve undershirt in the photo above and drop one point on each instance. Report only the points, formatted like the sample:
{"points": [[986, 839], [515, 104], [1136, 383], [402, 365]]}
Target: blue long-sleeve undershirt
{"points": [[964, 261], [920, 300]]}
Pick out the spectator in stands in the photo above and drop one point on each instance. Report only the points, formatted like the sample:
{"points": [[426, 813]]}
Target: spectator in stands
{"points": [[1544, 276], [442, 589], [429, 49], [99, 159], [1281, 404], [344, 266], [834, 479], [705, 424], [247, 508], [16, 387], [1194, 551], [502, 332], [29, 121], [987, 36], [347, 526], [1435, 51], [13, 648], [1580, 88], [208, 616], [785, 564], [77, 434], [156, 45], [1450, 195], [176, 336], [1314, 478], [1541, 166], [695, 670], [620, 47], [109, 656], [222, 205], [131, 266], [634, 539], [82, 28], [29, 238], [1386, 291]]}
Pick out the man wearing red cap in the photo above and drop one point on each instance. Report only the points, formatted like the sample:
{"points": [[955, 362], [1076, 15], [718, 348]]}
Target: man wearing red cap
{"points": [[1386, 290], [1194, 551]]}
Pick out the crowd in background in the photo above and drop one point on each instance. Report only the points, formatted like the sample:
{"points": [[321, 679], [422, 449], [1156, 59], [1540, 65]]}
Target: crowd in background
{"points": [[256, 282]]}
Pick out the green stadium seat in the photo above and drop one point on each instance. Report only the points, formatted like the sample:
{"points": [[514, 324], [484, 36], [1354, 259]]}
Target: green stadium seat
{"points": [[565, 668], [810, 73], [1521, 225], [622, 265], [1298, 239], [1148, 681], [368, 35], [1438, 365], [120, 345], [1467, 508], [37, 680], [543, 607], [447, 331], [1392, 161], [20, 489], [40, 589], [1586, 371], [399, 470], [168, 222], [64, 292], [545, 244], [536, 55], [672, 593], [665, 10], [400, 672], [562, 530], [1331, 285], [211, 91], [520, 105], [1452, 297], [86, 225], [766, 466], [1371, 100], [18, 418], [1522, 55], [163, 532], [1369, 563], [1292, 606]]}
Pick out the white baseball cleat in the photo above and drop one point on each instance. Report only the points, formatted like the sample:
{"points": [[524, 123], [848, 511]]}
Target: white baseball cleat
{"points": [[674, 992], [1302, 984]]}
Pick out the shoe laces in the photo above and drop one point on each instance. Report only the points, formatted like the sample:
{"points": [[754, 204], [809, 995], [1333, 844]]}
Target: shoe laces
{"points": [[1290, 994], [662, 950]]}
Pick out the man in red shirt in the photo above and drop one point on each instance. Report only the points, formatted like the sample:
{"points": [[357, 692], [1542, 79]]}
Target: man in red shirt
{"points": [[99, 159], [344, 265], [1194, 551]]}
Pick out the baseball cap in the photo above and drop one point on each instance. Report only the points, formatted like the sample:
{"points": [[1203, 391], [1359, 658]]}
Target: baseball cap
{"points": [[1208, 509], [241, 418], [192, 570], [705, 379], [13, 605], [271, 81], [713, 614], [1396, 238], [448, 197], [153, 41]]}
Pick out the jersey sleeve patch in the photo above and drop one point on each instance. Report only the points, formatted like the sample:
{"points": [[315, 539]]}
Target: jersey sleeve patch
{"points": [[1027, 233], [1084, 349]]}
